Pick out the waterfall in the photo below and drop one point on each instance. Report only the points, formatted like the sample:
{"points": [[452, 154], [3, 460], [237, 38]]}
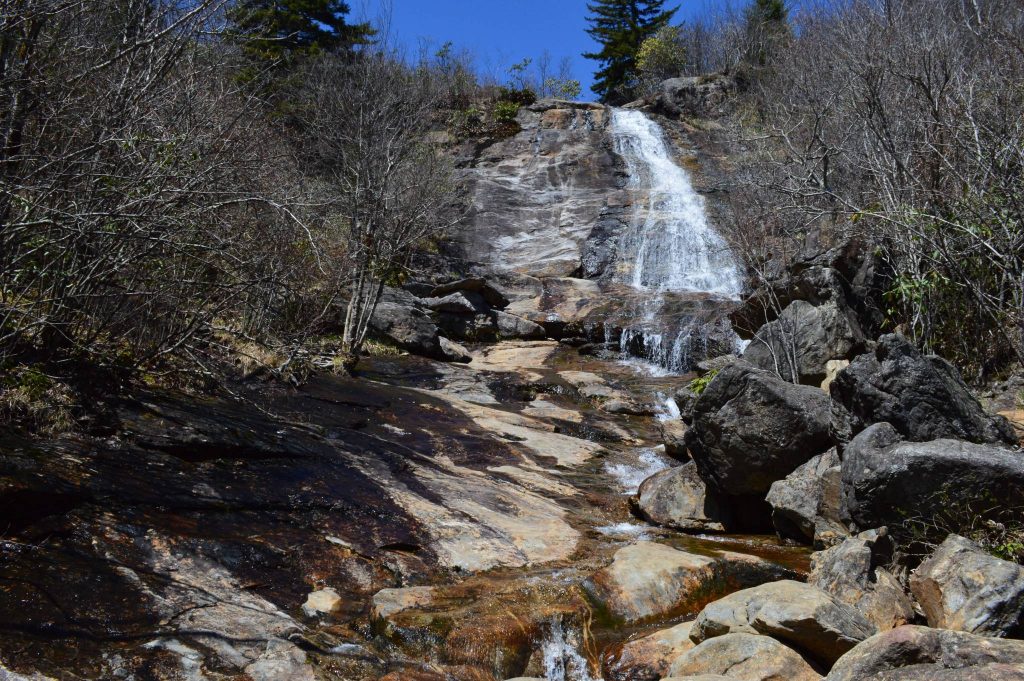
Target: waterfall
{"points": [[562, 660], [672, 245], [669, 252]]}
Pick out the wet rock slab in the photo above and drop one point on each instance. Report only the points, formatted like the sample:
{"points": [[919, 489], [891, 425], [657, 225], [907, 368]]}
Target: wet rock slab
{"points": [[648, 581]]}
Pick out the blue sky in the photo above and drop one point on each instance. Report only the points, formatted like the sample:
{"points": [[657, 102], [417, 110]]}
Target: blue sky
{"points": [[500, 33]]}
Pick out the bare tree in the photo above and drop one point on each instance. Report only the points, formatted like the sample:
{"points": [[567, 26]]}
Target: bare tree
{"points": [[366, 126]]}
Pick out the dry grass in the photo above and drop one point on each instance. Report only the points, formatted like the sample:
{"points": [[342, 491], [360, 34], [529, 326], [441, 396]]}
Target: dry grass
{"points": [[37, 402]]}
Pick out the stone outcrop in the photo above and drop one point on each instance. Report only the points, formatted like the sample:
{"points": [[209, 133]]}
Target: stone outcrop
{"points": [[537, 197], [801, 342], [797, 614], [702, 96], [743, 656], [750, 428], [647, 580], [887, 481], [845, 275], [806, 503], [922, 397], [648, 658], [963, 587], [677, 498], [855, 572], [915, 653]]}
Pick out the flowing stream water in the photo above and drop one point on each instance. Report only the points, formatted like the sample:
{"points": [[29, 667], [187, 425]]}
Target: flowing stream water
{"points": [[669, 250]]}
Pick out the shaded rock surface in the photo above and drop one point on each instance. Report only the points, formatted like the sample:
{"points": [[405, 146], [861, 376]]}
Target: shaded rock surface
{"points": [[751, 428], [806, 503], [921, 651], [887, 481], [963, 587], [743, 656], [800, 343], [855, 572], [922, 397], [795, 613], [694, 95], [677, 498], [846, 274]]}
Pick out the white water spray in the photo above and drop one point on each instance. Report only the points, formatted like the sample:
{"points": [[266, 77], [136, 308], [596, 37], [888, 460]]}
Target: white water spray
{"points": [[673, 246], [669, 250], [562, 660]]}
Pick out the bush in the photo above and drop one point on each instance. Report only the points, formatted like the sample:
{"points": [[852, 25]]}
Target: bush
{"points": [[698, 385]]}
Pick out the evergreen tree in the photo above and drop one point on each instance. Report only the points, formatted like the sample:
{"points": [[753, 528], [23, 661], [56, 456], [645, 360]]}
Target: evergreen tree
{"points": [[767, 27], [281, 30], [621, 27]]}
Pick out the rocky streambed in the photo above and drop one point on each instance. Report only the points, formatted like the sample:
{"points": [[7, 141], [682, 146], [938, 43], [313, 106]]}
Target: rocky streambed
{"points": [[522, 492], [427, 518]]}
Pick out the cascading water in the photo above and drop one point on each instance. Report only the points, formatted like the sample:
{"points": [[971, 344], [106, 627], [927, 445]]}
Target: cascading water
{"points": [[562, 660], [670, 249], [672, 244]]}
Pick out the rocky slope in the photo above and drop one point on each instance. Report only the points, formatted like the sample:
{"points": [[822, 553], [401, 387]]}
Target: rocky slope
{"points": [[506, 498]]}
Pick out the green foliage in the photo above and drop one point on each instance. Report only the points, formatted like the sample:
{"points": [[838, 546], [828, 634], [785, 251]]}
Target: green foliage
{"points": [[970, 325], [621, 27], [281, 31], [520, 96], [660, 57], [698, 385], [768, 11], [505, 111], [563, 88]]}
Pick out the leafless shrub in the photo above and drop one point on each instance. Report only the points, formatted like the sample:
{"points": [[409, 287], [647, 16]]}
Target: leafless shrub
{"points": [[899, 122]]}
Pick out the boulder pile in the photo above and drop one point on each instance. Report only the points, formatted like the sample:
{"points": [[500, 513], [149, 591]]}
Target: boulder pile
{"points": [[877, 455]]}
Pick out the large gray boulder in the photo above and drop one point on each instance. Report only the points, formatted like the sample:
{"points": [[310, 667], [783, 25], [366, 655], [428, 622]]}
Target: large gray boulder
{"points": [[677, 498], [799, 344], [855, 573], [923, 397], [795, 613], [408, 327], [695, 95], [751, 428], [963, 587], [488, 292], [805, 504], [925, 653], [888, 481], [846, 274], [743, 656], [511, 326]]}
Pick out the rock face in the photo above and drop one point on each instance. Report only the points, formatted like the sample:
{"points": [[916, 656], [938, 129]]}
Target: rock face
{"points": [[538, 197], [886, 480], [795, 613], [804, 339], [694, 96], [743, 656], [648, 580], [923, 398], [677, 498], [914, 652], [751, 428], [647, 658], [854, 573], [805, 504], [963, 587]]}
